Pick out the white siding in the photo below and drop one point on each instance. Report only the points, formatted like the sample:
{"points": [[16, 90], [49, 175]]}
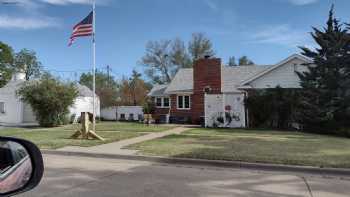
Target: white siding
{"points": [[236, 102], [85, 104], [215, 105], [127, 110], [109, 113], [13, 109], [114, 113], [28, 114], [213, 108], [283, 76]]}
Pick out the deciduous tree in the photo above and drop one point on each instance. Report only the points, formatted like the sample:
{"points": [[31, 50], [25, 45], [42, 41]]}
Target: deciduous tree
{"points": [[26, 61], [6, 62], [106, 87], [133, 91], [49, 98]]}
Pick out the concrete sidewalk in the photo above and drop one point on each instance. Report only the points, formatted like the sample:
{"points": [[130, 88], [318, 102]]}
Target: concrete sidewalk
{"points": [[117, 147]]}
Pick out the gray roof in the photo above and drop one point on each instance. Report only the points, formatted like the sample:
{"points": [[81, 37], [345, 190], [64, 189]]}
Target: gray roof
{"points": [[232, 77], [182, 82], [84, 91], [158, 90]]}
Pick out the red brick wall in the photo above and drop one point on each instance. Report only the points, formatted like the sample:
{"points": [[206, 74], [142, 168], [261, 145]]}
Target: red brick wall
{"points": [[175, 112], [160, 111], [207, 72]]}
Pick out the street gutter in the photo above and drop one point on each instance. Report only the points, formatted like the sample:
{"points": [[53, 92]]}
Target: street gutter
{"points": [[338, 172]]}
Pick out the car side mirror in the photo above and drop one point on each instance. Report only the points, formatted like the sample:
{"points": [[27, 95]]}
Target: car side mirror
{"points": [[21, 166]]}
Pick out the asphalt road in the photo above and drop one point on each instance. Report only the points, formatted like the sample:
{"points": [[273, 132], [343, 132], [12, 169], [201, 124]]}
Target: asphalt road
{"points": [[92, 177]]}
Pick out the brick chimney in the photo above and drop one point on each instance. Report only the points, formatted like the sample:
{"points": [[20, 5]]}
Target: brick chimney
{"points": [[206, 78]]}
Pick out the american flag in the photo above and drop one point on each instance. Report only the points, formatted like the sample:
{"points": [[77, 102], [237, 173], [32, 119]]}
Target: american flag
{"points": [[84, 28]]}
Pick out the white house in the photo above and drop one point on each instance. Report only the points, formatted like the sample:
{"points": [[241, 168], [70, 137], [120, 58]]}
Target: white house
{"points": [[209, 90], [14, 112], [131, 113]]}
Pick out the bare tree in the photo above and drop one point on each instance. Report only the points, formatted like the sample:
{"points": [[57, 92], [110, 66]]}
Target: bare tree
{"points": [[200, 46], [164, 58], [179, 54], [158, 61]]}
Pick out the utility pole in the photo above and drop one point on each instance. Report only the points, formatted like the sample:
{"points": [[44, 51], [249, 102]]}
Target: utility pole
{"points": [[108, 75]]}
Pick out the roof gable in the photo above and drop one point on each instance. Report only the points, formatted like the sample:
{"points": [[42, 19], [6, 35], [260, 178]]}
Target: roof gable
{"points": [[158, 90], [232, 77], [281, 63], [182, 82]]}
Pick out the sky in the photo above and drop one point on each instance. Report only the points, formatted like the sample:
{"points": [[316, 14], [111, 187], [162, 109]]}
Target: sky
{"points": [[267, 31]]}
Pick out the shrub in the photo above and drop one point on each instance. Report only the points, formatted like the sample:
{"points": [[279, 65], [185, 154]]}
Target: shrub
{"points": [[149, 107], [50, 99], [272, 108]]}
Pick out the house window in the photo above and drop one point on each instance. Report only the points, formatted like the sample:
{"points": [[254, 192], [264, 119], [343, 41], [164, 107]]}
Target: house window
{"points": [[2, 107], [187, 102], [162, 102], [159, 102], [184, 102], [122, 116], [131, 117], [166, 102]]}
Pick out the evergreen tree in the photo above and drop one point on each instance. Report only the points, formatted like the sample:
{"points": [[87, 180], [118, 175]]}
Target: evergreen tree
{"points": [[232, 61], [244, 61], [324, 101]]}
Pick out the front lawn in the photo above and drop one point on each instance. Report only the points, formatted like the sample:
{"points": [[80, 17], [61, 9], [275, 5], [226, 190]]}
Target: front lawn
{"points": [[58, 137], [265, 146]]}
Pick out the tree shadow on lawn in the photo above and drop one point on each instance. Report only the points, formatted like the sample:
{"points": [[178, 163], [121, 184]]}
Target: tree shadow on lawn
{"points": [[262, 150]]}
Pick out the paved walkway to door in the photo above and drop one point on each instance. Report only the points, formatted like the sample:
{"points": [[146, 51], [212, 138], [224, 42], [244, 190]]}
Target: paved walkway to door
{"points": [[117, 147]]}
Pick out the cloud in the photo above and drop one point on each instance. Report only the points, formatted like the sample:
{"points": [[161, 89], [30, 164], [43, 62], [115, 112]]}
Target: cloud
{"points": [[27, 4], [281, 35], [68, 2], [25, 23], [211, 4], [302, 2]]}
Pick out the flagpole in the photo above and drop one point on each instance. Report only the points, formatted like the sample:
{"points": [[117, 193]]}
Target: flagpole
{"points": [[94, 64]]}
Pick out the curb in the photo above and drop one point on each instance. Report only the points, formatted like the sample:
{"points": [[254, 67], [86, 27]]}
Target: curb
{"points": [[339, 172]]}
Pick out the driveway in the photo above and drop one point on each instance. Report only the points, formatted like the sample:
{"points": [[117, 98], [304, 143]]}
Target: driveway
{"points": [[82, 176]]}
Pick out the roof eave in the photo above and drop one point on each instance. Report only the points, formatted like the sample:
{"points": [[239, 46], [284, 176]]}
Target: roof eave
{"points": [[258, 75], [179, 92]]}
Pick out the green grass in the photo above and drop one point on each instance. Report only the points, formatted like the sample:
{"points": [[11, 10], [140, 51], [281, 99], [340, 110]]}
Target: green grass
{"points": [[58, 137], [264, 146]]}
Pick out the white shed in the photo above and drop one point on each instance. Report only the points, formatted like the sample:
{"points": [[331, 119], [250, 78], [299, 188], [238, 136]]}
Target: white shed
{"points": [[131, 113], [84, 102], [14, 112]]}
